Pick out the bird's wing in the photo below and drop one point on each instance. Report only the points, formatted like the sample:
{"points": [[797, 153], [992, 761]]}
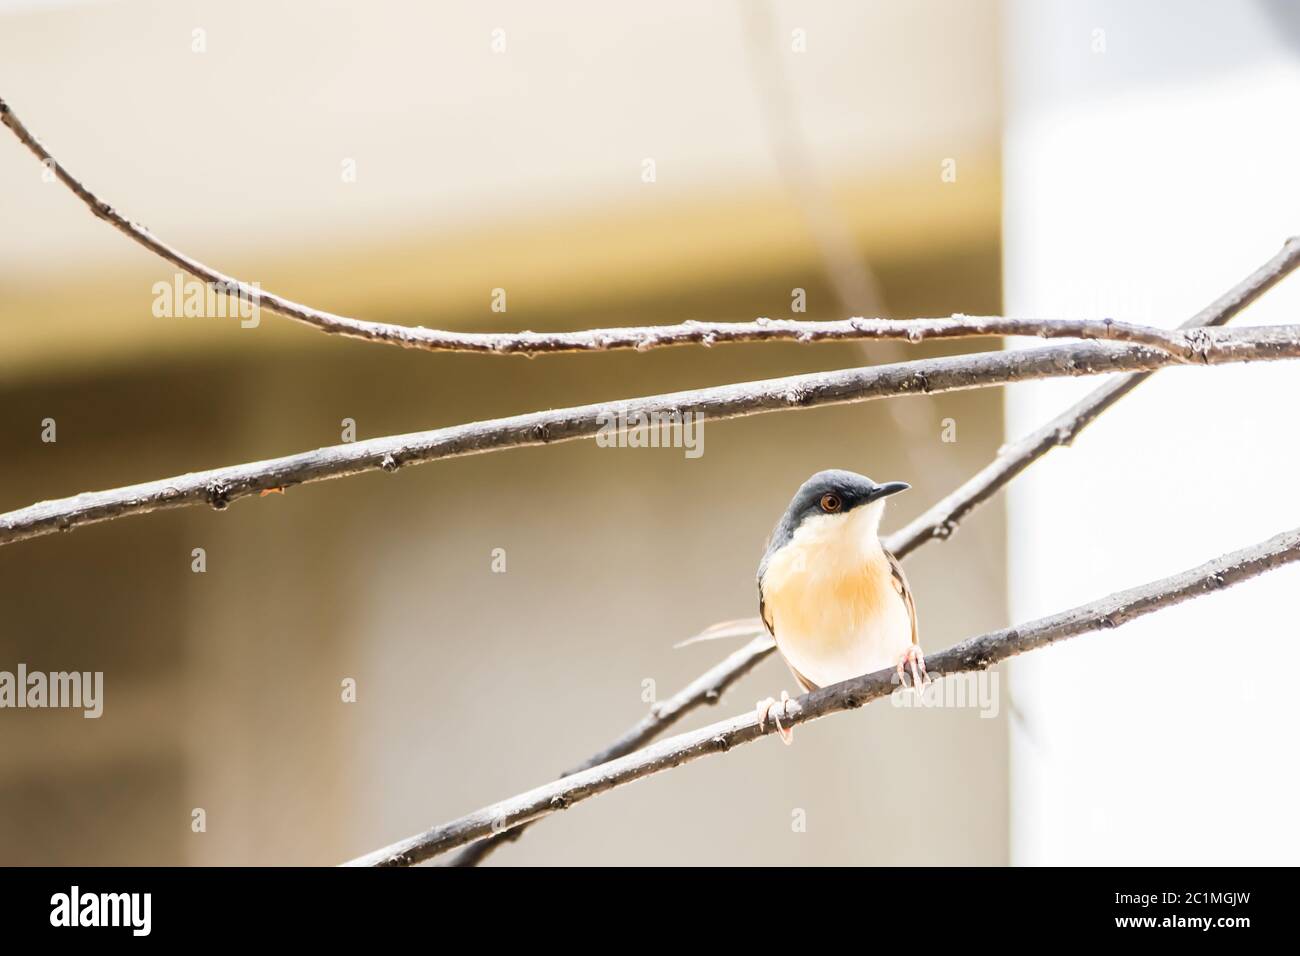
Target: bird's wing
{"points": [[804, 682], [905, 592]]}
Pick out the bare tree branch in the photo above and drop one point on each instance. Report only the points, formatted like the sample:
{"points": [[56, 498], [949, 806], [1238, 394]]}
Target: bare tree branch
{"points": [[978, 653], [219, 487], [1013, 459], [939, 522], [601, 340], [942, 519], [707, 688]]}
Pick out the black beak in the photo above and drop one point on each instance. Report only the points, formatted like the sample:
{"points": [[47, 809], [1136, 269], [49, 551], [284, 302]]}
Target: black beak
{"points": [[887, 489]]}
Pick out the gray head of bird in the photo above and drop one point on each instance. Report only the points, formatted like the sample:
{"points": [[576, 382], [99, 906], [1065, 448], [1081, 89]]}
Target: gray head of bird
{"points": [[834, 502]]}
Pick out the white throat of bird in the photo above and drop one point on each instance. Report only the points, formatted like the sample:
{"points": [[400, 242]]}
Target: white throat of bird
{"points": [[864, 525], [836, 544]]}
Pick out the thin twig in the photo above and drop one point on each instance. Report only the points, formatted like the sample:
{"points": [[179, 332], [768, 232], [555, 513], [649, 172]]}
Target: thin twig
{"points": [[707, 688], [939, 522], [978, 653], [219, 487], [854, 283], [601, 340]]}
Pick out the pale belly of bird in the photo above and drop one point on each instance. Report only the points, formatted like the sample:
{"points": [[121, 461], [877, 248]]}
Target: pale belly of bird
{"points": [[833, 622]]}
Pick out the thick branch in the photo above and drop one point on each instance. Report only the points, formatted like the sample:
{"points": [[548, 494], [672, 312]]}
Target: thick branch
{"points": [[940, 521], [602, 340], [219, 487], [978, 653]]}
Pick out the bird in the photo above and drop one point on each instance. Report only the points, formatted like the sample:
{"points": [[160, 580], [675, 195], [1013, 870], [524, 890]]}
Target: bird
{"points": [[833, 598]]}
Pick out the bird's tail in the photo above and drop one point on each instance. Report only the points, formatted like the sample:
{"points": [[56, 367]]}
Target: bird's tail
{"points": [[741, 627]]}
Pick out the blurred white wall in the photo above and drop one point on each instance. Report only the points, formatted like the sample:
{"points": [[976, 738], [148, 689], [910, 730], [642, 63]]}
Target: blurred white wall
{"points": [[1150, 163]]}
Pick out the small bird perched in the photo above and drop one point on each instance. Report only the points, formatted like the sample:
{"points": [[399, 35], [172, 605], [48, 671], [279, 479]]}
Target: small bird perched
{"points": [[836, 602]]}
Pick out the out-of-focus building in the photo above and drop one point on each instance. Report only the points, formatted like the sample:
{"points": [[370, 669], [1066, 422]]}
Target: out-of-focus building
{"points": [[400, 162]]}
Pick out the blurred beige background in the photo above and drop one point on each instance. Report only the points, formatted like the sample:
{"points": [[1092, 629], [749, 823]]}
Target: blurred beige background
{"points": [[475, 170]]}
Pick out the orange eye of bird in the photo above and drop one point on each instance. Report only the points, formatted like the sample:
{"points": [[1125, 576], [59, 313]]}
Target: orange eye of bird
{"points": [[831, 503]]}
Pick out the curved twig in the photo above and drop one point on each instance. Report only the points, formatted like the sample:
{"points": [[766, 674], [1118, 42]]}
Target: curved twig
{"points": [[601, 340]]}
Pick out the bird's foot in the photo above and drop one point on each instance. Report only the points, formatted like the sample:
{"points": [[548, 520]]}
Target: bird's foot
{"points": [[786, 707], [913, 661]]}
